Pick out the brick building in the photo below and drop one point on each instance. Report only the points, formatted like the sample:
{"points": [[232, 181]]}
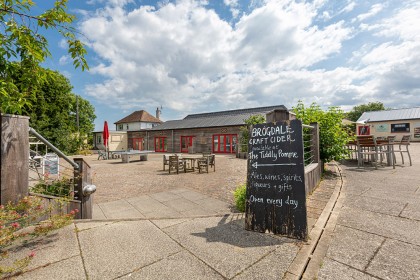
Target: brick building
{"points": [[216, 132]]}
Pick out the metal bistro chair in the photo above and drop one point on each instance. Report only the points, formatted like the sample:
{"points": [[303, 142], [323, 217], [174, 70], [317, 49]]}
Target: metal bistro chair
{"points": [[366, 146], [403, 148], [175, 163], [102, 155]]}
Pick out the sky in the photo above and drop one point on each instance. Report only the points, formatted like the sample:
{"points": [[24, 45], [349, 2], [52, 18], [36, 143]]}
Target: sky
{"points": [[202, 56]]}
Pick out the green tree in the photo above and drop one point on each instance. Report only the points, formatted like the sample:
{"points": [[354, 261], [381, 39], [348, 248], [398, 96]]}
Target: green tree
{"points": [[332, 135], [357, 111], [53, 113], [22, 40], [256, 119]]}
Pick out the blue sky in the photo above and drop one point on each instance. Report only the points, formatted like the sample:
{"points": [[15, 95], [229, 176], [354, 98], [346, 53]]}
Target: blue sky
{"points": [[201, 56]]}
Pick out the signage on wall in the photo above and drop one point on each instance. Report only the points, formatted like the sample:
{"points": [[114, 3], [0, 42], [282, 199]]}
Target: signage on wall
{"points": [[400, 127], [417, 130], [382, 127], [275, 198]]}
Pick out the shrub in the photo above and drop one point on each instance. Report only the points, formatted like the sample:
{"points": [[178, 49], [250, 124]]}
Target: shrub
{"points": [[256, 119], [240, 197], [62, 187]]}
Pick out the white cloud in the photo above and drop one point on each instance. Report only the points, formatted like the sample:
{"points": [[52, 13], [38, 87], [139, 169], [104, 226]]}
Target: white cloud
{"points": [[184, 56], [376, 8], [65, 59]]}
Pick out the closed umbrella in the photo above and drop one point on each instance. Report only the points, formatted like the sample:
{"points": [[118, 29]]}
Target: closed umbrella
{"points": [[105, 135]]}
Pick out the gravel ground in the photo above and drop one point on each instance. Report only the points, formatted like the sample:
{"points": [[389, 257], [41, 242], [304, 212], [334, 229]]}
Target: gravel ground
{"points": [[116, 180]]}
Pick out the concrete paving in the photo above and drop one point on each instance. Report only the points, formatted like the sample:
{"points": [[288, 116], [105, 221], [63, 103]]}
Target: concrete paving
{"points": [[364, 224], [377, 233]]}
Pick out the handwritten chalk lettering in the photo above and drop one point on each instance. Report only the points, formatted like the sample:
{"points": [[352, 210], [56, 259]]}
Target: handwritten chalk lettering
{"points": [[253, 199], [281, 139], [262, 185], [269, 131], [287, 154], [269, 154], [251, 155], [283, 187], [258, 141], [265, 148], [291, 202], [255, 175], [294, 177], [276, 202]]}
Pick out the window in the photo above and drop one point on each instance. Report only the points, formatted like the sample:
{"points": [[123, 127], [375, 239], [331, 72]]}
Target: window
{"points": [[127, 126], [160, 144], [364, 130], [99, 139], [120, 127], [224, 143], [400, 127], [186, 142]]}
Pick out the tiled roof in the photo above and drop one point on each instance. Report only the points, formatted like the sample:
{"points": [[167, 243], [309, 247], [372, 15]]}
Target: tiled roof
{"points": [[391, 115], [216, 119], [139, 116]]}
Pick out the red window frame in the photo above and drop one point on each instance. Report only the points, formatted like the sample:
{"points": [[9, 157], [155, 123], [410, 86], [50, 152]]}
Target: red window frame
{"points": [[140, 144], [162, 147], [222, 147], [364, 130], [189, 140]]}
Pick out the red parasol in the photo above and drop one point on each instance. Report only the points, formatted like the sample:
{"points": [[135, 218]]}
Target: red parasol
{"points": [[105, 135]]}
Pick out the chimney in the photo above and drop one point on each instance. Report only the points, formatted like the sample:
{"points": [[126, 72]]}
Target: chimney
{"points": [[158, 113]]}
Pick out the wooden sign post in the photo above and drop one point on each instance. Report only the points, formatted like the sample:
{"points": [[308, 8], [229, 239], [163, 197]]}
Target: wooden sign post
{"points": [[276, 200]]}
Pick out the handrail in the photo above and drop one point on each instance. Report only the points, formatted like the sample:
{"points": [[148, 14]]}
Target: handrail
{"points": [[307, 126], [52, 147]]}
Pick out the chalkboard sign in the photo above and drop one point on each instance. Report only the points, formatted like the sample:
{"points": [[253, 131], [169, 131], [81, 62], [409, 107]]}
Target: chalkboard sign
{"points": [[275, 199]]}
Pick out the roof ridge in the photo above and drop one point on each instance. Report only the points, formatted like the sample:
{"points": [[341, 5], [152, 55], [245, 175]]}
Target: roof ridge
{"points": [[234, 112]]}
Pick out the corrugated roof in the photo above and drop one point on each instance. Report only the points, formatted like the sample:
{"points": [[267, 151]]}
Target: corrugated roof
{"points": [[216, 119], [391, 115], [139, 116]]}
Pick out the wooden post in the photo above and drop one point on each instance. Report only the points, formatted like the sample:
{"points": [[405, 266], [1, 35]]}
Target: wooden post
{"points": [[83, 177], [315, 142], [14, 154]]}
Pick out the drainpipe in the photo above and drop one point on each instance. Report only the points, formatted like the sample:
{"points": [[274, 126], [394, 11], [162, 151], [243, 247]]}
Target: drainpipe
{"points": [[173, 146]]}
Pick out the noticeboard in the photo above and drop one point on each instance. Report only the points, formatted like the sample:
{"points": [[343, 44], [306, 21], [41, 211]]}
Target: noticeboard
{"points": [[276, 200]]}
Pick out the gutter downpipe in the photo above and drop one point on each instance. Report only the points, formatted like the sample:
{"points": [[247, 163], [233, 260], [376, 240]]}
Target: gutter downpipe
{"points": [[52, 147]]}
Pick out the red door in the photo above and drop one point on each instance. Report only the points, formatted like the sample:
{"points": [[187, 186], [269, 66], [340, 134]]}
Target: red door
{"points": [[160, 144], [186, 142], [224, 143], [137, 144]]}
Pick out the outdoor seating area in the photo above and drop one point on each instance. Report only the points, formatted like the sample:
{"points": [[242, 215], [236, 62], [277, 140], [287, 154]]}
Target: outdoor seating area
{"points": [[376, 150], [189, 163]]}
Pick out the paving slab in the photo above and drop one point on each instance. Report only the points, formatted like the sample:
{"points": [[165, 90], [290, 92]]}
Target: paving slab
{"points": [[68, 269], [396, 260], [273, 266], [117, 249], [179, 266], [146, 204], [353, 247], [332, 270], [97, 213], [213, 204], [193, 196], [164, 223], [374, 204], [223, 244], [381, 224], [164, 196], [411, 211], [119, 209], [181, 204], [56, 246], [198, 211]]}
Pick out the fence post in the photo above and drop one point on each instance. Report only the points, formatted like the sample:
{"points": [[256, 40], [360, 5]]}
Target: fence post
{"points": [[14, 157], [315, 142], [83, 177]]}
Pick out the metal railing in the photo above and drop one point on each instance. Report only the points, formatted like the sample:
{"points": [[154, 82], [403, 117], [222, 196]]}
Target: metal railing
{"points": [[309, 145], [54, 175]]}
